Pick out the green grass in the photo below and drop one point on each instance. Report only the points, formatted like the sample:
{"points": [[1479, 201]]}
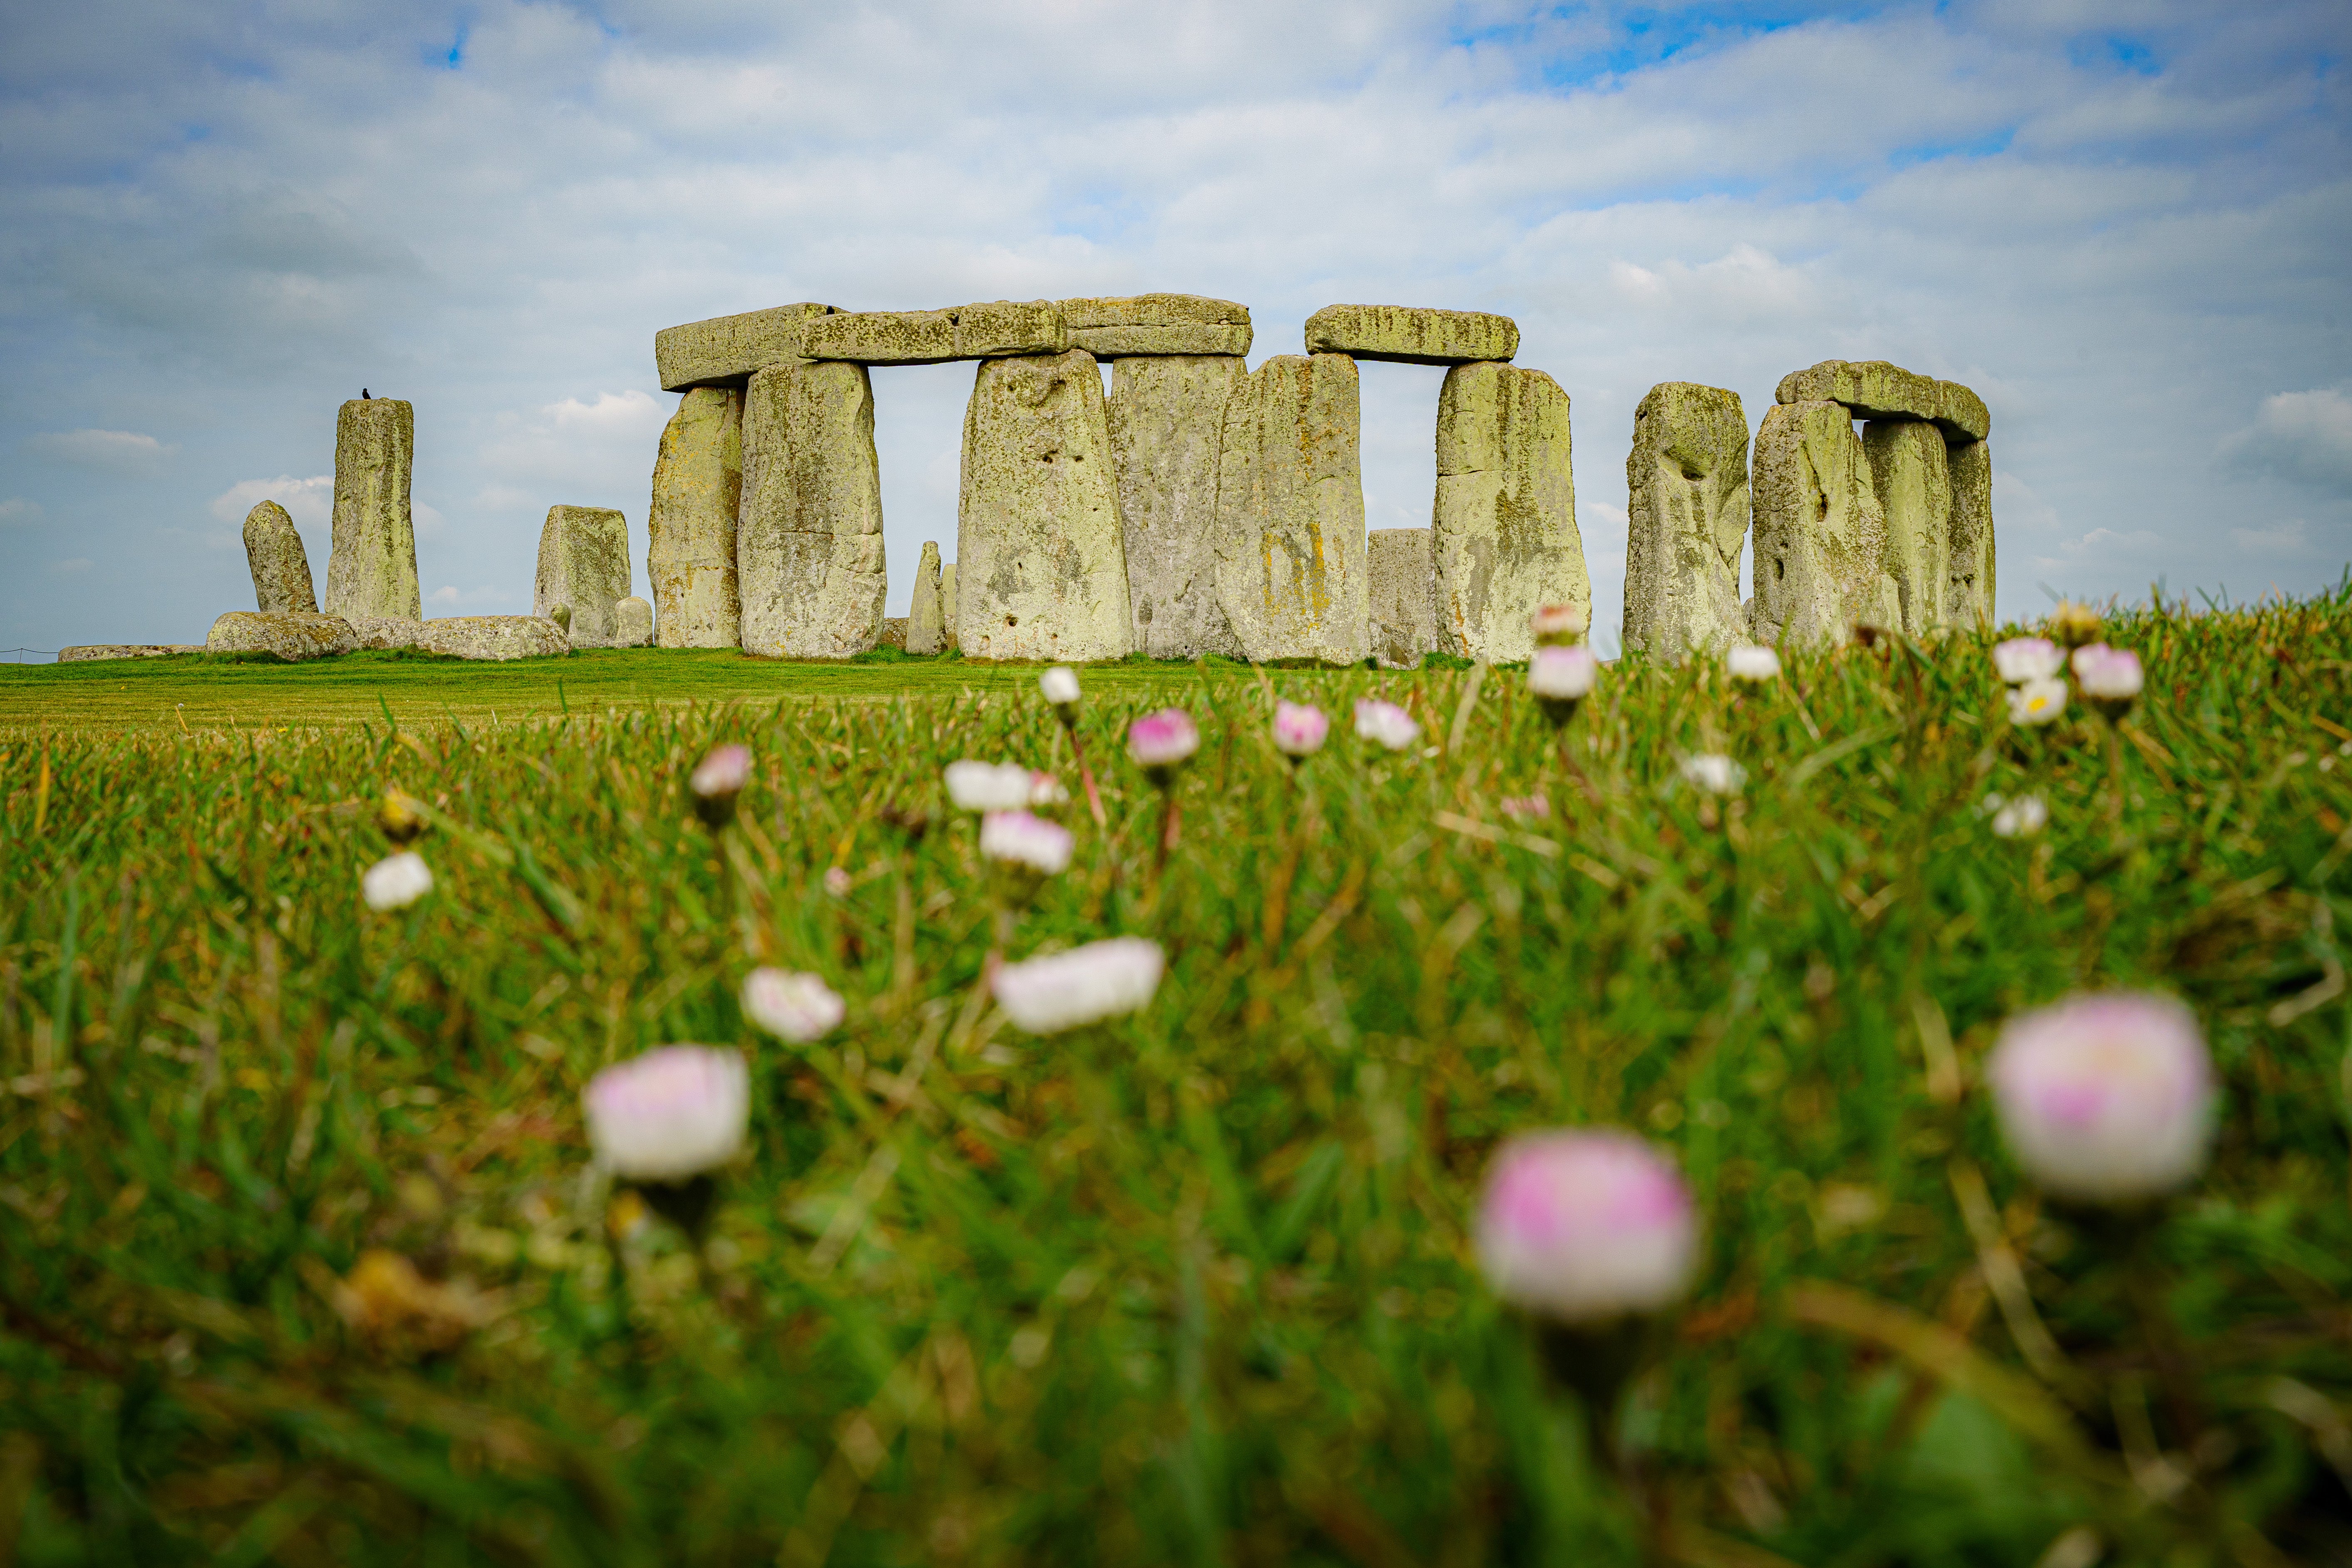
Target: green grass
{"points": [[1194, 1287]]}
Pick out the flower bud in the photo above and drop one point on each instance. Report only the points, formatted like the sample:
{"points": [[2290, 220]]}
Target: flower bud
{"points": [[2037, 701], [1716, 775], [1558, 625], [1560, 678], [2109, 678], [670, 1114], [1083, 986], [2020, 818], [1162, 743], [2073, 624], [2104, 1099], [1581, 1227], [396, 881], [1060, 685], [1385, 722], [988, 787], [1046, 792], [1526, 808], [1299, 729], [716, 783], [400, 817], [1017, 838], [1752, 663], [2021, 660], [792, 1006]]}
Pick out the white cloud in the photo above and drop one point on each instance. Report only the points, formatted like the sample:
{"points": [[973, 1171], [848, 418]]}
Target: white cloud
{"points": [[2305, 436], [20, 511], [123, 451], [310, 503], [576, 452]]}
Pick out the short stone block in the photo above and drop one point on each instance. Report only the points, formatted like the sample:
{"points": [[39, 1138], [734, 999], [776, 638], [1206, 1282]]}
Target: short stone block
{"points": [[1402, 592], [583, 561], [1874, 389], [493, 637], [286, 635], [725, 350], [1405, 334]]}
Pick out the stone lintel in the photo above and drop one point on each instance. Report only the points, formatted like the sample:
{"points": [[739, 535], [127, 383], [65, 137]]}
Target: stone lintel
{"points": [[1154, 311], [725, 350], [995, 329], [1404, 334], [1163, 340], [1873, 389]]}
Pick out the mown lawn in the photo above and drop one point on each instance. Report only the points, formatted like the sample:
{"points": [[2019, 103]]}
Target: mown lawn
{"points": [[1193, 1287]]}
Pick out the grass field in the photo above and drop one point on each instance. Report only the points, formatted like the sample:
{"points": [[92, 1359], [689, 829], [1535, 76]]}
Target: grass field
{"points": [[303, 1258]]}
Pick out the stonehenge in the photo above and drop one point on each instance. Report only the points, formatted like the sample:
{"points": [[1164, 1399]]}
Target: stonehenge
{"points": [[690, 525], [583, 564], [1167, 429], [1399, 579], [372, 568], [281, 571], [287, 635], [1686, 511], [808, 541], [633, 622], [927, 612], [1290, 513], [1504, 540]]}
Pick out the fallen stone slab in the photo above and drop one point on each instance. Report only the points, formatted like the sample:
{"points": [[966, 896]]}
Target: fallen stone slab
{"points": [[1874, 389], [281, 571], [633, 622], [1820, 535], [493, 637], [926, 613], [1686, 514], [1149, 324], [725, 350], [1401, 573], [992, 329], [84, 652], [1290, 512], [371, 570], [286, 635], [690, 527], [1913, 482], [384, 633], [1166, 428], [1969, 553], [809, 569], [584, 563], [1504, 540], [1405, 334]]}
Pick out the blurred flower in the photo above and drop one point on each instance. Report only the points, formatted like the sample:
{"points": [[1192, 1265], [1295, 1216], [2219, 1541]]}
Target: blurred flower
{"points": [[1386, 722], [1580, 1225], [1557, 626], [1065, 990], [2021, 660], [396, 881], [2020, 818], [1526, 809], [1712, 773], [1747, 661], [1299, 729], [1563, 673], [836, 881], [988, 787], [1162, 743], [2037, 701], [670, 1114], [717, 781], [1060, 685], [1046, 790], [400, 817], [2104, 1099], [2108, 677], [792, 1006], [2073, 624], [1020, 839]]}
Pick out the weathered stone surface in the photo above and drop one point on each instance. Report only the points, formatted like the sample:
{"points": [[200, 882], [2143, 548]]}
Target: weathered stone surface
{"points": [[927, 623], [83, 652], [633, 622], [808, 543], [725, 350], [1504, 536], [1166, 424], [987, 330], [1129, 343], [493, 637], [372, 568], [1039, 523], [1156, 324], [281, 571], [1002, 327], [583, 561], [289, 636], [948, 603], [1404, 334], [894, 632], [690, 527], [1820, 538], [1686, 520], [1290, 512], [1909, 477], [384, 632], [1968, 580], [1402, 594], [1874, 389]]}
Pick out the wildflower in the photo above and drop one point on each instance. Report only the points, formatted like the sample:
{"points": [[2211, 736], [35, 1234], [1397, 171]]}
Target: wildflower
{"points": [[1558, 625], [2104, 1099], [2021, 660], [792, 1006], [2037, 701], [400, 817], [2020, 818], [1162, 743], [1019, 839], [1046, 790], [988, 787], [1060, 685], [1386, 722], [717, 781], [2074, 624], [396, 881], [836, 881], [2110, 677], [1065, 990], [1750, 662], [1299, 729], [1526, 809], [1584, 1225], [671, 1114], [1716, 775]]}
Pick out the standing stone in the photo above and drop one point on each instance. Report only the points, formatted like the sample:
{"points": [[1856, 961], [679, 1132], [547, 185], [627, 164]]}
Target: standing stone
{"points": [[281, 573], [1503, 537], [1403, 586], [1167, 423], [1686, 520], [926, 626], [1290, 512], [808, 543], [1968, 580], [1820, 537], [1910, 478], [948, 622], [633, 622], [372, 568], [583, 561], [690, 528], [1039, 523]]}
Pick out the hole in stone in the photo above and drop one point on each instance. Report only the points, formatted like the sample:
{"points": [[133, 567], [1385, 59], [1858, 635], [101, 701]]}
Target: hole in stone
{"points": [[1011, 620]]}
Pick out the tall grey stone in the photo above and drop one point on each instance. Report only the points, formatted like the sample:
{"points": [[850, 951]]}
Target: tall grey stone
{"points": [[1039, 523], [808, 543], [281, 571], [1686, 514], [1821, 536], [1968, 580], [1290, 512], [1914, 486], [1503, 539], [1402, 589], [1167, 423], [948, 622], [372, 568], [927, 625], [583, 561], [690, 527]]}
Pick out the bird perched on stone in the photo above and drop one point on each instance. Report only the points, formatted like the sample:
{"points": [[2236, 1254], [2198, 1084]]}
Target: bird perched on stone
{"points": [[363, 395]]}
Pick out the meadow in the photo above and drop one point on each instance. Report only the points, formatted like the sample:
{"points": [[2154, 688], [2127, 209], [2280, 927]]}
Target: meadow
{"points": [[303, 1256]]}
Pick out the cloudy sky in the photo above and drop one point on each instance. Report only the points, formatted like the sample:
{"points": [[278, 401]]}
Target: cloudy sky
{"points": [[2128, 226]]}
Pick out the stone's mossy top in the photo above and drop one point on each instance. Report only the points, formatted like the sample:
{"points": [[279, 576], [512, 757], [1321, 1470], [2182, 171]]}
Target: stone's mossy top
{"points": [[726, 349], [1404, 334], [993, 329], [1874, 389], [1154, 311]]}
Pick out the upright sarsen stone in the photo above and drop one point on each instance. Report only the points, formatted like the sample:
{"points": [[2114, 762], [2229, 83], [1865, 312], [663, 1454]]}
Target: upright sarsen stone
{"points": [[926, 626], [281, 571], [1686, 520], [1290, 512], [1039, 527], [808, 543], [1402, 585], [372, 568], [583, 561], [1504, 540], [690, 527], [1968, 560], [1167, 420], [1914, 487], [948, 603], [1820, 538], [633, 622]]}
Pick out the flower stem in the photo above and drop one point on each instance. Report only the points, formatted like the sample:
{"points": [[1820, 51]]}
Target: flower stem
{"points": [[1087, 778], [1169, 829]]}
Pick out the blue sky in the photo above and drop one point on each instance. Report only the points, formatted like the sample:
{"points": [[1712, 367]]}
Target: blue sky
{"points": [[2129, 226]]}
